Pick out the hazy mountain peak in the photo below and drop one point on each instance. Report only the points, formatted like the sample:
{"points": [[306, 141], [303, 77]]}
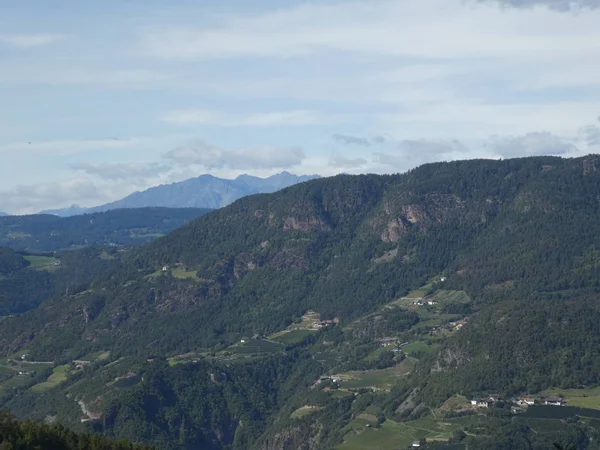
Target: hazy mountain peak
{"points": [[204, 191], [72, 210]]}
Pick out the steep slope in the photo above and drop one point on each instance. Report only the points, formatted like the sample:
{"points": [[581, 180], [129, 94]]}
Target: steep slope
{"points": [[510, 238], [205, 191], [267, 259], [46, 233], [17, 435]]}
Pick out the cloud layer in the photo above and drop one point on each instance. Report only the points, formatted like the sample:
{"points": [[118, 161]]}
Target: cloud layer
{"points": [[206, 117], [122, 171], [558, 5], [212, 157], [30, 40]]}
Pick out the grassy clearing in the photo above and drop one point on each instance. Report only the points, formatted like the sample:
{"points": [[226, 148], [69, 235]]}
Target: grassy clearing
{"points": [[456, 402], [387, 257], [4, 370], [392, 435], [293, 337], [41, 262], [106, 256], [26, 366], [419, 293], [379, 379], [303, 325], [450, 297], [183, 273], [59, 374], [182, 359], [14, 382], [257, 347], [96, 356], [18, 235], [418, 348], [116, 362], [141, 233], [341, 394], [304, 411], [583, 398]]}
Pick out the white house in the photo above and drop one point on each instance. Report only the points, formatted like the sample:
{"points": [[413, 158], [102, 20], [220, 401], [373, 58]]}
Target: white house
{"points": [[555, 401]]}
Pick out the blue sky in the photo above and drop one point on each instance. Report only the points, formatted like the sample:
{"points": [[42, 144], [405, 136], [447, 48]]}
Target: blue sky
{"points": [[100, 99]]}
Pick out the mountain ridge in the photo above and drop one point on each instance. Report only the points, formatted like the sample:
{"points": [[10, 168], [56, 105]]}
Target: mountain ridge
{"points": [[205, 191], [486, 272], [47, 232]]}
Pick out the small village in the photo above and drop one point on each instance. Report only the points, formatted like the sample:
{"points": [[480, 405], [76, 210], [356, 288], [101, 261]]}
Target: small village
{"points": [[520, 403]]}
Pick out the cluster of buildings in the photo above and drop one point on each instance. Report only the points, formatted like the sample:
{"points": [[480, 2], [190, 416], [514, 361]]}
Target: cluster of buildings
{"points": [[331, 378], [523, 401], [458, 324], [424, 303], [485, 402], [322, 324]]}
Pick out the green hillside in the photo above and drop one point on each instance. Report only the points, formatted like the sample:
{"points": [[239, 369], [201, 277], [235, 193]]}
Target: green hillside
{"points": [[372, 302], [27, 435]]}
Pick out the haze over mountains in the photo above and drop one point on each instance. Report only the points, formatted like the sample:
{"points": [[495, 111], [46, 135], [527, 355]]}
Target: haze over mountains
{"points": [[205, 191]]}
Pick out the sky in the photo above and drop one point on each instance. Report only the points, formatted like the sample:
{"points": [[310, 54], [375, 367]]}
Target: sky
{"points": [[100, 99]]}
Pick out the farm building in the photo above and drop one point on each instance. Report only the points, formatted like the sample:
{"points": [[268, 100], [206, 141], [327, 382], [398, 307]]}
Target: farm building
{"points": [[555, 401]]}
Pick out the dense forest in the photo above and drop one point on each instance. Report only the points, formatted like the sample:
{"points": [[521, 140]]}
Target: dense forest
{"points": [[47, 233], [202, 336], [15, 435]]}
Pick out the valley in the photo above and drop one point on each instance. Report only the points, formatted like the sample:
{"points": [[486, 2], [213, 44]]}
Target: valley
{"points": [[345, 312]]}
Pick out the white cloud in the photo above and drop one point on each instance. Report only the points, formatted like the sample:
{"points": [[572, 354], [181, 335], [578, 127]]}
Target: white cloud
{"points": [[69, 146], [29, 199], [531, 144], [431, 29], [591, 135], [30, 40], [212, 157], [411, 153], [348, 139], [478, 120], [122, 171], [558, 5], [351, 140], [206, 117], [344, 162], [21, 73]]}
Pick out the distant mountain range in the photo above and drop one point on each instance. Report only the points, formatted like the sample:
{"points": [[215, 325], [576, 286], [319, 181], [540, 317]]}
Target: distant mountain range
{"points": [[48, 233], [205, 191], [73, 210], [3, 214]]}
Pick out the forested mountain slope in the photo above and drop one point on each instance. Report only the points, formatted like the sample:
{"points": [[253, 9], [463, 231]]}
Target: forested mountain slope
{"points": [[507, 247], [46, 233], [16, 435]]}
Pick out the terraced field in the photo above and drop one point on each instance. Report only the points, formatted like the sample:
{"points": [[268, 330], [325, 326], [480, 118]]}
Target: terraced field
{"points": [[41, 262], [583, 398], [59, 374], [377, 379], [393, 435]]}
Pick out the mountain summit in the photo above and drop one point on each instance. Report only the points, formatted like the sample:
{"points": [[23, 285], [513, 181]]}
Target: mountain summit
{"points": [[205, 191]]}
